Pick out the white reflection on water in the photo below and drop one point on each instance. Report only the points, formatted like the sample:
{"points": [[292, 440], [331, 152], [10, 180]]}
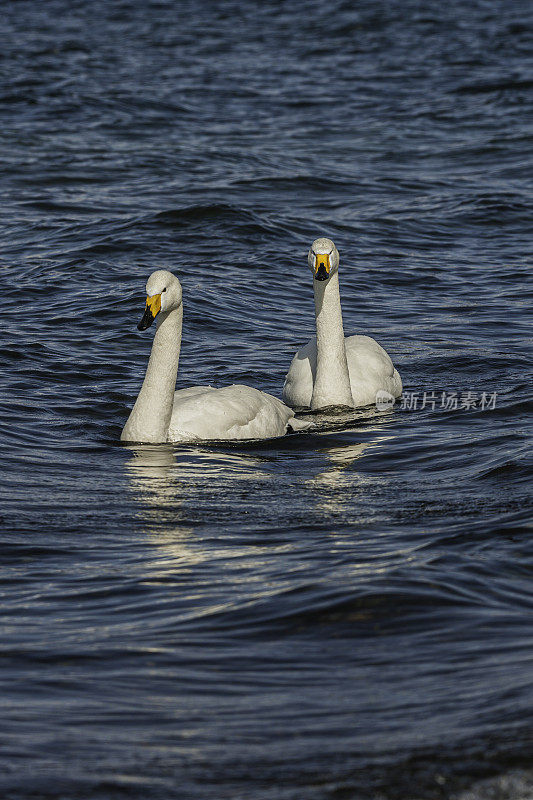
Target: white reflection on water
{"points": [[162, 478], [159, 500], [339, 459], [337, 487], [339, 479], [159, 471], [175, 486], [175, 489]]}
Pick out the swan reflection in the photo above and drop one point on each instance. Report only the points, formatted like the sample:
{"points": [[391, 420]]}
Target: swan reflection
{"points": [[150, 476], [339, 459], [178, 490], [338, 484], [163, 478]]}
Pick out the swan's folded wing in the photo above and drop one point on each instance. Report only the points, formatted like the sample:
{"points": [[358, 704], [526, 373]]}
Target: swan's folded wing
{"points": [[298, 386], [300, 424], [371, 369], [191, 391], [233, 412]]}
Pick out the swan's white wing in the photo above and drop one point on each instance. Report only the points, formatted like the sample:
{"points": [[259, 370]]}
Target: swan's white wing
{"points": [[191, 391], [369, 365], [298, 386], [371, 369], [234, 412]]}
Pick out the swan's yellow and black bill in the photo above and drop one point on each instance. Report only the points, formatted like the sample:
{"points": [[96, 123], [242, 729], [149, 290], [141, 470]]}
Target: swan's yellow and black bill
{"points": [[322, 266], [153, 307]]}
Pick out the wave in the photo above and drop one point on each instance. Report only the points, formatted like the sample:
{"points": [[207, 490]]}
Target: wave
{"points": [[502, 85]]}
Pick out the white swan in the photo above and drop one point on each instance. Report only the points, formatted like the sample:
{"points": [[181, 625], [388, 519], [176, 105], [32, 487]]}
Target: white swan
{"points": [[161, 414], [331, 370]]}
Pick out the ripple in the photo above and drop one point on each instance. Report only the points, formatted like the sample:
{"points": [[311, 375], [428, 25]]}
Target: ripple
{"points": [[338, 614]]}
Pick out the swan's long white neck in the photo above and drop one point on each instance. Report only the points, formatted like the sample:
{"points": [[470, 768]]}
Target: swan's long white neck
{"points": [[332, 378], [149, 420]]}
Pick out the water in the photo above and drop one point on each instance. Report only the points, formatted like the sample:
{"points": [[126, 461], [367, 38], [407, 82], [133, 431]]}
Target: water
{"points": [[342, 615]]}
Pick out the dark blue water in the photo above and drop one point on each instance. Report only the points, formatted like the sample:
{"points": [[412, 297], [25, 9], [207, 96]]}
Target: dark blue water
{"points": [[342, 615]]}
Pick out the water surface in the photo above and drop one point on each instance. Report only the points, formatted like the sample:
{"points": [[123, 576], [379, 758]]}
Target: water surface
{"points": [[340, 615]]}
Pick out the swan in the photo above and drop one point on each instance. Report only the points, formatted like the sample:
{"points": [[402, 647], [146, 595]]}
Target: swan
{"points": [[331, 370], [161, 414]]}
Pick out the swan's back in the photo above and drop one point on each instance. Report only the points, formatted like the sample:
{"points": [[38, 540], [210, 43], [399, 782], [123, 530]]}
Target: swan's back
{"points": [[233, 412]]}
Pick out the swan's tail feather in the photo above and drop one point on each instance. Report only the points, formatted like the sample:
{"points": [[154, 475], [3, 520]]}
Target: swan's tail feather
{"points": [[299, 424]]}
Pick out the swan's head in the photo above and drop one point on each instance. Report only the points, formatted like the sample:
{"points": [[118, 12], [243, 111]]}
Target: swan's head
{"points": [[163, 292], [323, 258]]}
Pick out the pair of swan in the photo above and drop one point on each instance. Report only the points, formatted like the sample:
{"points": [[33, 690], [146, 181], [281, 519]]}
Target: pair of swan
{"points": [[328, 371]]}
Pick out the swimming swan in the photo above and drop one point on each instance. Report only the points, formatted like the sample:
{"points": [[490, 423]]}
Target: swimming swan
{"points": [[161, 414], [331, 370]]}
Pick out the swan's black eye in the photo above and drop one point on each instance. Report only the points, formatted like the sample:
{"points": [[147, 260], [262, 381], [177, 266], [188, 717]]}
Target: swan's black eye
{"points": [[164, 290]]}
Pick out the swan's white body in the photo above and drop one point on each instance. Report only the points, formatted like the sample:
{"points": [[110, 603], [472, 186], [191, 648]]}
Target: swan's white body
{"points": [[161, 414], [233, 412], [331, 370]]}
